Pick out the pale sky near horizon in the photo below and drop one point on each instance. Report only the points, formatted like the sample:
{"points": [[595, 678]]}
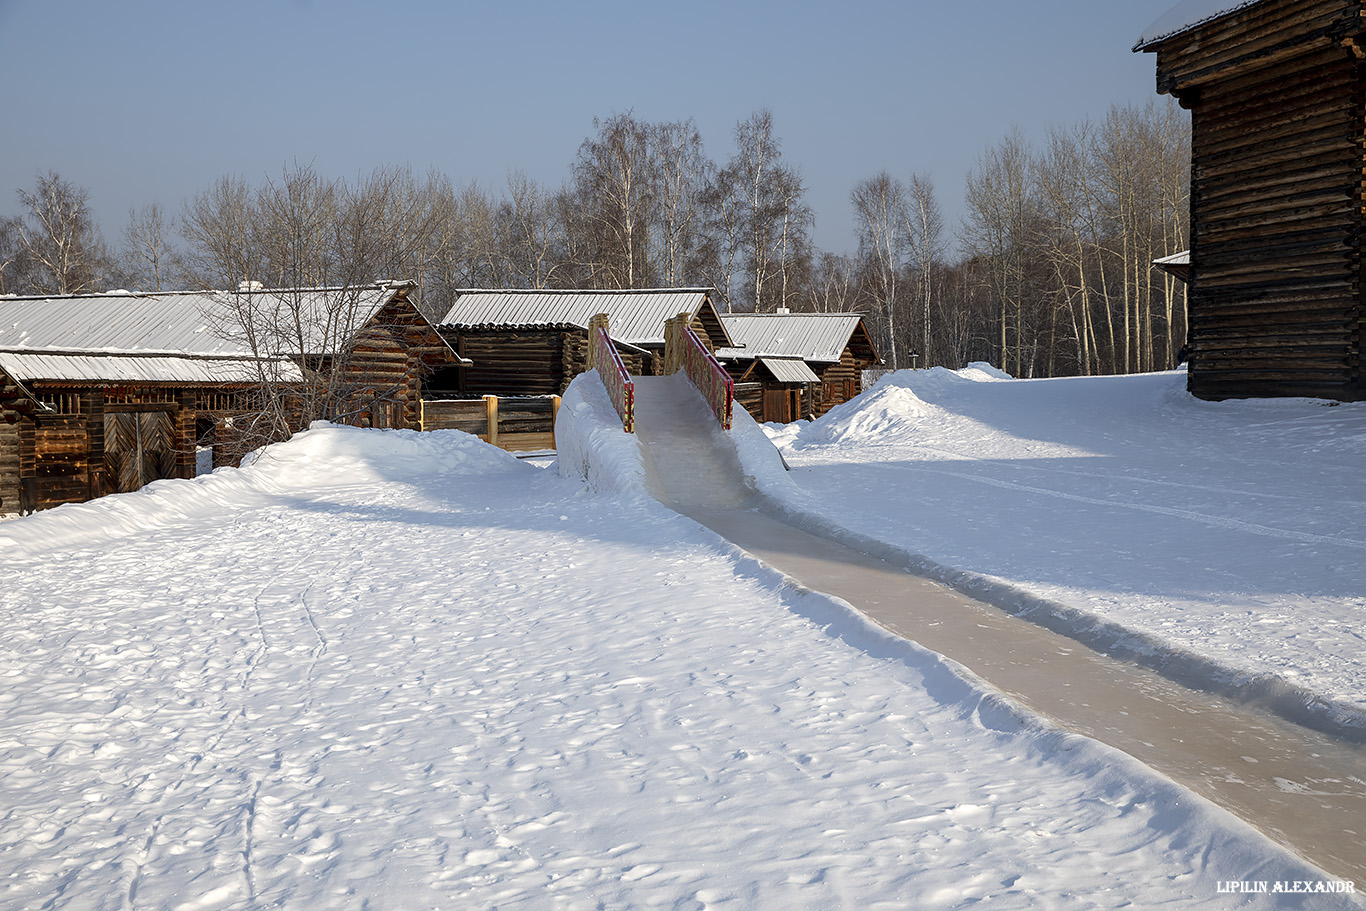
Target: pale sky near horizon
{"points": [[146, 101]]}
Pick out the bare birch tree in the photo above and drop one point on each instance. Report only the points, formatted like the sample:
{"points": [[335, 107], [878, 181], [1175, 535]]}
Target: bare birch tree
{"points": [[61, 244]]}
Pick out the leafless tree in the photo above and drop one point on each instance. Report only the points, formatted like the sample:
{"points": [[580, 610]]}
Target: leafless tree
{"points": [[615, 177], [681, 170], [61, 244], [773, 220], [882, 221], [925, 244], [149, 257]]}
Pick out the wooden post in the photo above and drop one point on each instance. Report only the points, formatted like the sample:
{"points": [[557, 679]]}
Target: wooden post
{"points": [[491, 410], [554, 414], [599, 321]]}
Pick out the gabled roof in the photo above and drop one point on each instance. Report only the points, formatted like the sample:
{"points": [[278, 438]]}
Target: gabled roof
{"points": [[789, 370], [636, 317], [181, 336], [813, 337], [1185, 16]]}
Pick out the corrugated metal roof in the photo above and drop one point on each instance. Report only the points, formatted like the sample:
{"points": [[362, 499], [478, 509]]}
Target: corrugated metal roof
{"points": [[789, 370], [182, 322], [636, 317], [818, 337], [30, 366]]}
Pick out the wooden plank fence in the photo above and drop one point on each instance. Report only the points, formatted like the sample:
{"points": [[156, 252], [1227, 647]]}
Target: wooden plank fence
{"points": [[514, 423]]}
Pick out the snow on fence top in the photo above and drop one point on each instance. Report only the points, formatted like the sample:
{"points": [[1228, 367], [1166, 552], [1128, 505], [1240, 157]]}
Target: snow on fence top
{"points": [[1187, 15], [614, 376]]}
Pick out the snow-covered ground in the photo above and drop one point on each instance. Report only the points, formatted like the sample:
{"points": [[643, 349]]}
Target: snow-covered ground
{"points": [[378, 669], [1220, 541]]}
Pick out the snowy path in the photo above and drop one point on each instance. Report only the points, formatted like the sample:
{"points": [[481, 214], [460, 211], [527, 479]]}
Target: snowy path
{"points": [[383, 670], [1306, 789]]}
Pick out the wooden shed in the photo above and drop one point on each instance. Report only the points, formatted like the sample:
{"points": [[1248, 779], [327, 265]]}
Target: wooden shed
{"points": [[788, 366], [1278, 125], [104, 393]]}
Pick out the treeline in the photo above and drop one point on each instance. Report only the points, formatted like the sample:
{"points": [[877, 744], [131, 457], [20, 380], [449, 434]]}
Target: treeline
{"points": [[1049, 274]]}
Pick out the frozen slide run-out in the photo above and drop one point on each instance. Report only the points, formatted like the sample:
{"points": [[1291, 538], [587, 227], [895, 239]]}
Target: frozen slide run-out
{"points": [[1235, 756]]}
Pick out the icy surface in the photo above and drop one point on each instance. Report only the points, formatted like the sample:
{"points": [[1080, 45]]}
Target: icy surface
{"points": [[378, 669], [1188, 14], [1228, 533]]}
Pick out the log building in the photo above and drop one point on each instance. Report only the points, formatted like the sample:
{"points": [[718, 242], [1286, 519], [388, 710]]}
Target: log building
{"points": [[788, 366], [104, 393], [533, 342], [1277, 95]]}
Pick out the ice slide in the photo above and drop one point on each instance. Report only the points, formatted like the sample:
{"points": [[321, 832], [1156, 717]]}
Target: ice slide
{"points": [[1207, 744]]}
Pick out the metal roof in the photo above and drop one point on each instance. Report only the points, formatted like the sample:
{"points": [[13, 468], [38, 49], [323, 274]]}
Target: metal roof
{"points": [[180, 322], [178, 336], [789, 370], [29, 365], [635, 317], [818, 337]]}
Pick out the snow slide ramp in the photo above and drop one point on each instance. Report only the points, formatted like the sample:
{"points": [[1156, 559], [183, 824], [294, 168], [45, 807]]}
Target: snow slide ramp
{"points": [[690, 462]]}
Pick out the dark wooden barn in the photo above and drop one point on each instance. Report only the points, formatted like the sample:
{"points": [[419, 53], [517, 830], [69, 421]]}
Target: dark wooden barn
{"points": [[1277, 95], [788, 366], [106, 393]]}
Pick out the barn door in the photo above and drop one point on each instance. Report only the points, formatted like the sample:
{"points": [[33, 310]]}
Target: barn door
{"points": [[139, 448]]}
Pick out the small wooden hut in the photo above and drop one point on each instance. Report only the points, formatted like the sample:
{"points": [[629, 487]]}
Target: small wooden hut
{"points": [[1278, 198], [788, 366], [104, 393]]}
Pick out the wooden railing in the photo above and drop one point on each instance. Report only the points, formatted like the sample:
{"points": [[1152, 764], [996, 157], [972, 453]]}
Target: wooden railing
{"points": [[709, 377], [614, 376]]}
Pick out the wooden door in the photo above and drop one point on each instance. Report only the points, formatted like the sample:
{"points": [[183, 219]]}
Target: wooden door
{"points": [[139, 448], [777, 405]]}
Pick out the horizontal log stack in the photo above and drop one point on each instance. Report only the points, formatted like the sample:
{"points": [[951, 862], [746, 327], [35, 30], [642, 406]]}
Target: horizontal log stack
{"points": [[1278, 115]]}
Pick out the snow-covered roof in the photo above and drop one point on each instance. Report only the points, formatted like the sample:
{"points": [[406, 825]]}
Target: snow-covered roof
{"points": [[636, 317], [1176, 259], [1187, 15], [817, 337], [789, 370], [179, 336], [84, 367]]}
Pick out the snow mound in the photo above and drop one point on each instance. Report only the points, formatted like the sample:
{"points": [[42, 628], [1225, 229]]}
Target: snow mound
{"points": [[890, 407], [591, 444], [324, 456], [982, 372]]}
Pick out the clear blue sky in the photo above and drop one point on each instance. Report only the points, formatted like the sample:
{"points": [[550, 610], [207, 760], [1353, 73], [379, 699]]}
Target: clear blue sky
{"points": [[152, 100]]}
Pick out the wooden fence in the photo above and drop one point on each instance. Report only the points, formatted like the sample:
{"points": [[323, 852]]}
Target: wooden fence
{"points": [[514, 423]]}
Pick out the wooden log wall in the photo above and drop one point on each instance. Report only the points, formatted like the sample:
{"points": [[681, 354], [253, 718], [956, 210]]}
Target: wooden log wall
{"points": [[9, 460], [839, 382], [1278, 135]]}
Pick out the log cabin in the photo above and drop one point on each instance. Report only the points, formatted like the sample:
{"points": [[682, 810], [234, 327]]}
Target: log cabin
{"points": [[533, 342], [1277, 95], [788, 366], [104, 393]]}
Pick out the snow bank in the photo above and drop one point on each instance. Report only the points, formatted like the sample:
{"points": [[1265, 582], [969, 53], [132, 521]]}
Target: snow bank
{"points": [[326, 455], [376, 669], [591, 444], [1219, 543]]}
